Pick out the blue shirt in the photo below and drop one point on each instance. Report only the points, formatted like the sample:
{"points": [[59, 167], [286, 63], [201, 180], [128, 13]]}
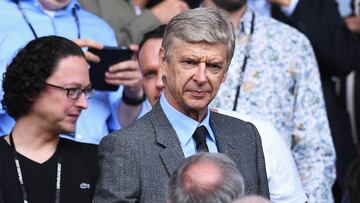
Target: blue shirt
{"points": [[93, 123], [185, 126]]}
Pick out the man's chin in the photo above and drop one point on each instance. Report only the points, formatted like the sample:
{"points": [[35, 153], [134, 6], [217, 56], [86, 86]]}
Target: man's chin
{"points": [[68, 130], [197, 104], [197, 107]]}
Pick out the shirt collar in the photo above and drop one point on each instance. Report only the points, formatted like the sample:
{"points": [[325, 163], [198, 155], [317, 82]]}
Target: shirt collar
{"points": [[183, 125]]}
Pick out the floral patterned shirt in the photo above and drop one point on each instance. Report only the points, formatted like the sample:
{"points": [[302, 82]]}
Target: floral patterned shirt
{"points": [[282, 84]]}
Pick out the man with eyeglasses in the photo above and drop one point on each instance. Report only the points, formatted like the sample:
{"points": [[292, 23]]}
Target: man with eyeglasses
{"points": [[46, 97], [107, 111], [74, 92]]}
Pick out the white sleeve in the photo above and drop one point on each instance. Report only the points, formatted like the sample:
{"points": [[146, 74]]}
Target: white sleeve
{"points": [[283, 177]]}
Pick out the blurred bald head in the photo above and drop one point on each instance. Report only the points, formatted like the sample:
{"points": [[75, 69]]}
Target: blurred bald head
{"points": [[252, 199], [206, 177]]}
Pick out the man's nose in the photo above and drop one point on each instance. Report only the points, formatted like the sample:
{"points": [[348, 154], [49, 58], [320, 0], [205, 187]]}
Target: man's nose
{"points": [[200, 74], [160, 81], [81, 102]]}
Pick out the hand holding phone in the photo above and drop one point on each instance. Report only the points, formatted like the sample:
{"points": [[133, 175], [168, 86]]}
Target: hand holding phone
{"points": [[108, 57], [89, 43]]}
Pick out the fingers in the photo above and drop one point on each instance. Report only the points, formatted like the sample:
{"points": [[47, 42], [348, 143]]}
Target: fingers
{"points": [[166, 10], [91, 57], [181, 6], [134, 47], [125, 73], [127, 79], [129, 65], [184, 6], [353, 23], [281, 2], [88, 43]]}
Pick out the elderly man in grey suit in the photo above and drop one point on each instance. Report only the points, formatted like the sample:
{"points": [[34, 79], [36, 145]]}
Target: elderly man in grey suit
{"points": [[136, 162]]}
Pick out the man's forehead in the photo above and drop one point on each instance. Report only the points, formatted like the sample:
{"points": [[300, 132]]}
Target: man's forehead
{"points": [[71, 69], [148, 55], [151, 44], [179, 43], [198, 49]]}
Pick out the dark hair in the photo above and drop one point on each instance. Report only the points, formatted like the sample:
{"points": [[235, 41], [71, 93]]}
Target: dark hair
{"points": [[26, 75], [157, 33]]}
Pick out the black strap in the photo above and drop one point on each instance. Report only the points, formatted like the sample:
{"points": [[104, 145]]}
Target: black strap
{"points": [[246, 57], [21, 177], [73, 12], [25, 18], [132, 102], [77, 22]]}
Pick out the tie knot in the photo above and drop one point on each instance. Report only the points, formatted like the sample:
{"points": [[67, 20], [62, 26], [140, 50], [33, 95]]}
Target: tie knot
{"points": [[200, 138]]}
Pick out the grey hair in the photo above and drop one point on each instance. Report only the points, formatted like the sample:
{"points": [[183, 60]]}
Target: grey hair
{"points": [[228, 188], [201, 25]]}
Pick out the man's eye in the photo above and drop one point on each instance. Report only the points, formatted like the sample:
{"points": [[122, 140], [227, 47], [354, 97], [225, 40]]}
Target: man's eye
{"points": [[73, 91], [150, 75], [214, 66], [189, 63]]}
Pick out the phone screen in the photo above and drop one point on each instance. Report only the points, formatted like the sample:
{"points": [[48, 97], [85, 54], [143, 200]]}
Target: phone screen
{"points": [[108, 56]]}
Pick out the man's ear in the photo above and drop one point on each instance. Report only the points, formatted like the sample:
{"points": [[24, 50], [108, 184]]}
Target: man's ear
{"points": [[162, 61]]}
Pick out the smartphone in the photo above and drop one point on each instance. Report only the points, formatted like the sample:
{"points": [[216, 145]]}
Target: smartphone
{"points": [[108, 56]]}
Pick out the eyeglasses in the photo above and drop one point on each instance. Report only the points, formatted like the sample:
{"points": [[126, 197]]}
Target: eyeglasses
{"points": [[74, 92]]}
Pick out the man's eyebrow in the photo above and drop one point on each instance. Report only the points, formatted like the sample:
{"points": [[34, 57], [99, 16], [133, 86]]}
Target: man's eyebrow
{"points": [[215, 61], [76, 84], [188, 57]]}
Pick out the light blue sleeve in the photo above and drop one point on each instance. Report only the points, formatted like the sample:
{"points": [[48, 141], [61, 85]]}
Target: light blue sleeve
{"points": [[114, 100]]}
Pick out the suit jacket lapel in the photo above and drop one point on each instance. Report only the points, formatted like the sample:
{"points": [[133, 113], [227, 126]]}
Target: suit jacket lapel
{"points": [[225, 139], [222, 136], [165, 135]]}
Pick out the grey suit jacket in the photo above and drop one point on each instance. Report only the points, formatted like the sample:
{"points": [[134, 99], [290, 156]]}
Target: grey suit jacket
{"points": [[136, 162]]}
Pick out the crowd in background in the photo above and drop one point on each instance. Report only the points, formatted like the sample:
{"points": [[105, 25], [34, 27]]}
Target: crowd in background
{"points": [[295, 67]]}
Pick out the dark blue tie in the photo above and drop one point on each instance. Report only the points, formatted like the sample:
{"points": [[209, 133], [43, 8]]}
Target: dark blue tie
{"points": [[200, 139]]}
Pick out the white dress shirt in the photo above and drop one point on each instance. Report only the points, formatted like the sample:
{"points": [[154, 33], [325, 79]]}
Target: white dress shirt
{"points": [[283, 178]]}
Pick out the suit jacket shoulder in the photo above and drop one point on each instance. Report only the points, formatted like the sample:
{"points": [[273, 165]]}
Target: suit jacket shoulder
{"points": [[136, 162], [241, 141]]}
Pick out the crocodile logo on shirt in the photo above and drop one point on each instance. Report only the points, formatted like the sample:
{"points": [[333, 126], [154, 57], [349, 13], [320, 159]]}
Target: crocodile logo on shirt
{"points": [[85, 186]]}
